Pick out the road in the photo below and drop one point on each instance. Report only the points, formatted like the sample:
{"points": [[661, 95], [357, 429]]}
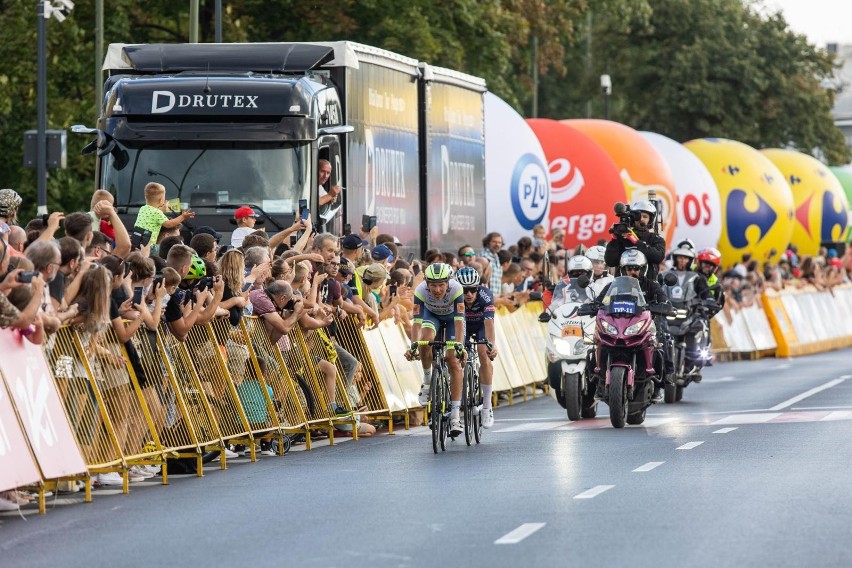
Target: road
{"points": [[750, 469]]}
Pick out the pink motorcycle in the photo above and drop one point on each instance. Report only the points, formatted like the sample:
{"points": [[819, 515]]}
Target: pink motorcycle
{"points": [[627, 350]]}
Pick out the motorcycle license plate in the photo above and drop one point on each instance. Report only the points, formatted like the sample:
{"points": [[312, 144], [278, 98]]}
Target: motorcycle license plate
{"points": [[572, 331]]}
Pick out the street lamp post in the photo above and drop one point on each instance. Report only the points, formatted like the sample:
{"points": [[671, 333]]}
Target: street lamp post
{"points": [[606, 87], [44, 10]]}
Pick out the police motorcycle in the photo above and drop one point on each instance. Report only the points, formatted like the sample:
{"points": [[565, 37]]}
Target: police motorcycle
{"points": [[569, 341], [689, 326]]}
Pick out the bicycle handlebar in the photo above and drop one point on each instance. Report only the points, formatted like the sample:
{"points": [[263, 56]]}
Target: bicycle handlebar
{"points": [[488, 345], [452, 344]]}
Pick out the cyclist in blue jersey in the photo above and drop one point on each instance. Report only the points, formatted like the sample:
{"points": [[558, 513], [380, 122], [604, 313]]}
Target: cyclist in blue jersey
{"points": [[439, 306], [479, 323]]}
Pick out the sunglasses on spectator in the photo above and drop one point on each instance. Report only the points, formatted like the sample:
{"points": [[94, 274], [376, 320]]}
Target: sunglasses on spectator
{"points": [[471, 289], [469, 253]]}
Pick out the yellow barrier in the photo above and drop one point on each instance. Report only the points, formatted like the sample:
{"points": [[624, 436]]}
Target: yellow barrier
{"points": [[807, 321], [507, 370]]}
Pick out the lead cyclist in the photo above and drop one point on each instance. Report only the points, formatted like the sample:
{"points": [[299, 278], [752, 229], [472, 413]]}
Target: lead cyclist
{"points": [[438, 304]]}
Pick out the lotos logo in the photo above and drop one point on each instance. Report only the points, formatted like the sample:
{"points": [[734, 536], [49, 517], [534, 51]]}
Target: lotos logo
{"points": [[832, 218], [739, 218], [530, 193]]}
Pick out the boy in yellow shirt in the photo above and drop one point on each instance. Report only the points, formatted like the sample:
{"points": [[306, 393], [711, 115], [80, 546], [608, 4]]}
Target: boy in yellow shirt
{"points": [[151, 215]]}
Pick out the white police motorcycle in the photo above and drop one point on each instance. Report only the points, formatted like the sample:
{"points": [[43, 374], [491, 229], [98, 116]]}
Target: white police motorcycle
{"points": [[569, 342]]}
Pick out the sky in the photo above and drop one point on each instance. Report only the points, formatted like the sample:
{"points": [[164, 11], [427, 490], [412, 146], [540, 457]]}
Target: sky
{"points": [[822, 21]]}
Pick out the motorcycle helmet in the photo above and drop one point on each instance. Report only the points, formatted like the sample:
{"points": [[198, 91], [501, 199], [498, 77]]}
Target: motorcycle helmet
{"points": [[711, 255], [197, 268], [596, 252], [644, 206], [579, 265], [685, 252], [686, 243], [634, 258], [437, 272], [468, 276]]}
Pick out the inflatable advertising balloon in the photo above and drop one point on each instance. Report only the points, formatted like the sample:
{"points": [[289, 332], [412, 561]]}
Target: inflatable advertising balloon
{"points": [[699, 212], [844, 176], [517, 185], [757, 204], [584, 183], [819, 204], [641, 167]]}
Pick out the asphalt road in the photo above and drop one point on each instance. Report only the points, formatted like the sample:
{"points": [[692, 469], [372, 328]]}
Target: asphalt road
{"points": [[750, 469]]}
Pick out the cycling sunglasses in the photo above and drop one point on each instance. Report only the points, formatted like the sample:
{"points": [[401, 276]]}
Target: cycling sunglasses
{"points": [[471, 289]]}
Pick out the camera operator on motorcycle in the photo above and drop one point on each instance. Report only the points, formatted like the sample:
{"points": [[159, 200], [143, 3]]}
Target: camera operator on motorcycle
{"points": [[479, 322], [709, 260], [633, 263], [635, 229], [600, 273]]}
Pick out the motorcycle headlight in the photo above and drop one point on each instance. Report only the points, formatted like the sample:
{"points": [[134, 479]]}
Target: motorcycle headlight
{"points": [[563, 347], [635, 328], [580, 348], [608, 328]]}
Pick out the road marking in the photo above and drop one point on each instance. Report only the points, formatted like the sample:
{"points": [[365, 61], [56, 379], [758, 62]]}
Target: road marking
{"points": [[725, 430], [808, 393], [647, 467], [593, 492], [837, 415], [519, 533], [780, 367], [723, 379], [759, 418], [690, 445]]}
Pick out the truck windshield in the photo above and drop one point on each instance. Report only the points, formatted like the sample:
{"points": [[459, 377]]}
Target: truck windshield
{"points": [[217, 175]]}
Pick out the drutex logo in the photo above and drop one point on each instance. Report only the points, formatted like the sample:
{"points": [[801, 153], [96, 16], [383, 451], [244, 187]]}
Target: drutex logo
{"points": [[164, 101]]}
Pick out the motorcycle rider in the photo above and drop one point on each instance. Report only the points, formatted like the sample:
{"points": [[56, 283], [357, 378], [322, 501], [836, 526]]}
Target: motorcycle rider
{"points": [[634, 263], [640, 236], [479, 322], [709, 259], [600, 274], [578, 266]]}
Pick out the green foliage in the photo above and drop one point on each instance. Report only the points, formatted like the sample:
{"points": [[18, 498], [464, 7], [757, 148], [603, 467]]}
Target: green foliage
{"points": [[684, 68]]}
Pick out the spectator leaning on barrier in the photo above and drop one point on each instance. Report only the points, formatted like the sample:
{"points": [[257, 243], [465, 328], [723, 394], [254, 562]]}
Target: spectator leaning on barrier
{"points": [[492, 243], [46, 260], [181, 312], [10, 316]]}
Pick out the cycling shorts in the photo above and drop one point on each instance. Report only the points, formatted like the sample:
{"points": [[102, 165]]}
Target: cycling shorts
{"points": [[438, 323], [475, 330]]}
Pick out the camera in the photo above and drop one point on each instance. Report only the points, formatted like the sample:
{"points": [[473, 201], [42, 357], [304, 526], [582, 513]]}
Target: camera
{"points": [[291, 303], [27, 276], [139, 238], [204, 283], [626, 219]]}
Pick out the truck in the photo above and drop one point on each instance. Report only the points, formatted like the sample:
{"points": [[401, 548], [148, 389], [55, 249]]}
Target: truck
{"points": [[227, 125]]}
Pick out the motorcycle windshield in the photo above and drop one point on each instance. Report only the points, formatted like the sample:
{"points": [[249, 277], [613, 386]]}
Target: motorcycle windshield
{"points": [[624, 297], [568, 293]]}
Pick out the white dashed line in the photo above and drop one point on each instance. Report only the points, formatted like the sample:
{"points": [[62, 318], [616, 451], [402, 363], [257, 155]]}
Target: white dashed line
{"points": [[747, 418], [519, 533], [807, 393], [647, 467], [837, 415], [725, 430], [690, 445], [593, 492]]}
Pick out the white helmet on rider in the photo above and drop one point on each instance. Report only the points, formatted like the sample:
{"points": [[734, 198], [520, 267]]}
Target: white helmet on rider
{"points": [[596, 252], [645, 206], [633, 258], [579, 265], [683, 251]]}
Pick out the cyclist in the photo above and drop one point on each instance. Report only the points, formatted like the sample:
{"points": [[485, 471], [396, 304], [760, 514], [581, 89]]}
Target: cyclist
{"points": [[439, 305], [479, 321]]}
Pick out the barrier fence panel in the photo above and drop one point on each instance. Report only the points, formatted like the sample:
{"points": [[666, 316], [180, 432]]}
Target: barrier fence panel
{"points": [[507, 371], [409, 374], [386, 373], [759, 328], [329, 385], [171, 414], [189, 385], [525, 326], [86, 415], [17, 464], [291, 413], [117, 389], [365, 391], [42, 416]]}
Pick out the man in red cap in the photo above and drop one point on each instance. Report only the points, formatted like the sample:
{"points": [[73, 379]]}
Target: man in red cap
{"points": [[245, 225]]}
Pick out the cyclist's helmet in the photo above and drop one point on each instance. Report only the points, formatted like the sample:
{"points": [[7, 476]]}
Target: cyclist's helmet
{"points": [[634, 258], [579, 265], [645, 206], [197, 268], [438, 272], [595, 253], [711, 255], [468, 276]]}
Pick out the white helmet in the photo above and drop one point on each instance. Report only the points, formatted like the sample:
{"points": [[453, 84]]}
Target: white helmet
{"points": [[634, 257], [596, 252], [645, 206], [683, 251], [579, 263]]}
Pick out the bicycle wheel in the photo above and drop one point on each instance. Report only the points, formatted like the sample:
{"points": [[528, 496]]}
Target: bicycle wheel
{"points": [[436, 398], [477, 403], [445, 407], [467, 403]]}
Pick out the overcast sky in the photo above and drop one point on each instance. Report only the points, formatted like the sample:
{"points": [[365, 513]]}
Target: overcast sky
{"points": [[822, 21]]}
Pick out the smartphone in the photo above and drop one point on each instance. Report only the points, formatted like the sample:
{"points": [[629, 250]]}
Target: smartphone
{"points": [[415, 269], [158, 281], [137, 295], [26, 277], [303, 204], [372, 222], [410, 257], [135, 240], [365, 223], [305, 214], [246, 286], [293, 240], [392, 290], [146, 237], [347, 229]]}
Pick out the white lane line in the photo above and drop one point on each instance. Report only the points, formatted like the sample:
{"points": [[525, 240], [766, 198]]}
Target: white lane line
{"points": [[811, 392], [758, 418], [690, 445], [723, 379], [837, 415], [647, 467], [519, 533], [725, 430], [593, 492]]}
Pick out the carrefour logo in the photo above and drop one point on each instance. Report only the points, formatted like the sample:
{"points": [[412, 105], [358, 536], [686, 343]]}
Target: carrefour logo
{"points": [[529, 190]]}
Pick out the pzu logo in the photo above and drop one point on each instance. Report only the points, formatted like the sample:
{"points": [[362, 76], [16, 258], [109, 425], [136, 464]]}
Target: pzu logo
{"points": [[530, 191]]}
